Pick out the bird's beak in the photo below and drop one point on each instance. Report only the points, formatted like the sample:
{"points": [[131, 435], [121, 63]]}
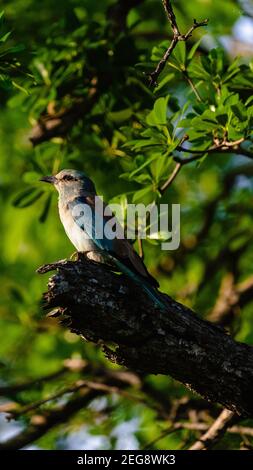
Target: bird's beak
{"points": [[49, 179]]}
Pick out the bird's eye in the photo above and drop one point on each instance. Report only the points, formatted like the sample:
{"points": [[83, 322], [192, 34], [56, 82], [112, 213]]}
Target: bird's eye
{"points": [[68, 178]]}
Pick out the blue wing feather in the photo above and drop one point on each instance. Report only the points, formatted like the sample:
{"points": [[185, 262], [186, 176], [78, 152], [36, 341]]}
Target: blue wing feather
{"points": [[93, 224]]}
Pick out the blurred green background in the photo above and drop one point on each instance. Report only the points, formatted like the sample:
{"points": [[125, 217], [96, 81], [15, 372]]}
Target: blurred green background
{"points": [[92, 58]]}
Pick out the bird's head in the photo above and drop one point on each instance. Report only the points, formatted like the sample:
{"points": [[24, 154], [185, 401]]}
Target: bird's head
{"points": [[71, 182]]}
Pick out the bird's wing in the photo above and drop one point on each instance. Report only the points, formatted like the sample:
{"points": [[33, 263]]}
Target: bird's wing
{"points": [[90, 220], [93, 222]]}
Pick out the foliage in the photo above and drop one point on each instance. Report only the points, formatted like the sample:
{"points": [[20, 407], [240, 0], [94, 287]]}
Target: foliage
{"points": [[81, 71]]}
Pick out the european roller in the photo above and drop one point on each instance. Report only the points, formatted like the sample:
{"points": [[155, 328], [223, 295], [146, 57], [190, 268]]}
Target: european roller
{"points": [[82, 222]]}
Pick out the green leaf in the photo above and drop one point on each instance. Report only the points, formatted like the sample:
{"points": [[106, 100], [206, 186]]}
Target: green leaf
{"points": [[194, 49], [138, 144], [160, 110], [142, 194], [19, 87], [141, 167], [27, 197], [31, 177], [120, 116], [202, 159], [160, 166], [222, 119], [5, 82], [143, 178], [158, 116], [232, 71], [12, 50], [198, 71], [159, 51], [5, 37], [45, 211], [217, 57], [168, 78], [249, 100], [239, 111], [179, 54]]}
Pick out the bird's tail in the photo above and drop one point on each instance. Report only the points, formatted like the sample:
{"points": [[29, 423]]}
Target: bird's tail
{"points": [[150, 290]]}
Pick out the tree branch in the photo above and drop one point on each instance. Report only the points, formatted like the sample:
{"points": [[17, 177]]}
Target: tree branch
{"points": [[83, 392], [109, 309], [177, 36], [171, 178], [58, 124], [47, 421], [9, 390], [223, 146], [215, 432], [201, 426]]}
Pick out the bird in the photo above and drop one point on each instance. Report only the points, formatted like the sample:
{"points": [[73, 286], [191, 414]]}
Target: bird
{"points": [[79, 215]]}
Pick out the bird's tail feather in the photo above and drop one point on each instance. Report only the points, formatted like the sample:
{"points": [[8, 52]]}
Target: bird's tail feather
{"points": [[150, 290]]}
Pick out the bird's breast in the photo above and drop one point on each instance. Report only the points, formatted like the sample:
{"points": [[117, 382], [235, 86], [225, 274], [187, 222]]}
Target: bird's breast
{"points": [[78, 237]]}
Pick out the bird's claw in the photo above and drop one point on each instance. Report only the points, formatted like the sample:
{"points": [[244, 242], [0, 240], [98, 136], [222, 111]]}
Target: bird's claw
{"points": [[77, 256]]}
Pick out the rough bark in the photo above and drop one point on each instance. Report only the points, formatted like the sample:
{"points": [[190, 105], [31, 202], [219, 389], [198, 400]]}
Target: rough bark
{"points": [[109, 309]]}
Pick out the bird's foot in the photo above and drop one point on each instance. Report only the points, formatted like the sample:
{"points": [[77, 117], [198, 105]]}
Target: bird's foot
{"points": [[94, 256], [78, 256]]}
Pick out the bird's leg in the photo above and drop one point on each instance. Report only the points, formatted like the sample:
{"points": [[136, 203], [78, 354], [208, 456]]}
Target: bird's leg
{"points": [[78, 255], [92, 255], [101, 258], [95, 256], [74, 256]]}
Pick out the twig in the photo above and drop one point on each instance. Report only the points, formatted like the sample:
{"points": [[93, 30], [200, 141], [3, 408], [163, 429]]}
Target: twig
{"points": [[215, 432], [80, 384], [184, 161], [171, 178], [48, 421], [193, 87], [241, 430], [13, 389], [177, 36], [114, 382], [32, 406], [226, 301], [230, 299], [163, 434], [222, 146]]}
